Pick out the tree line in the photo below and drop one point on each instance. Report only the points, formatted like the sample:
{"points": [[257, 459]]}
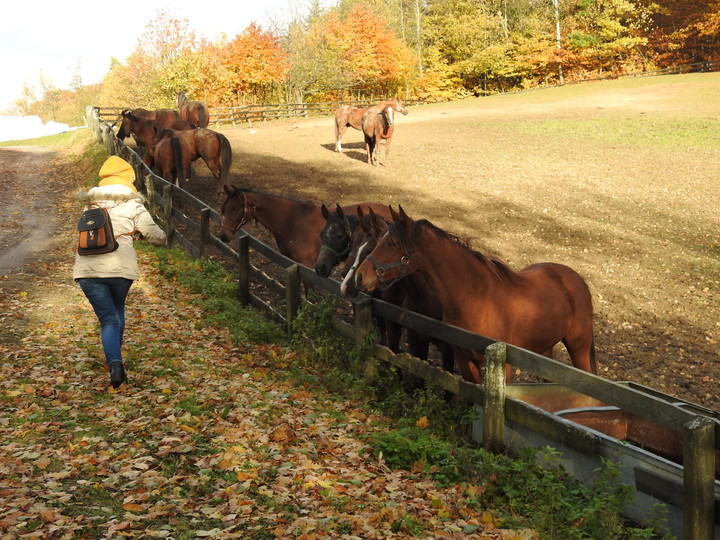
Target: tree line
{"points": [[423, 49]]}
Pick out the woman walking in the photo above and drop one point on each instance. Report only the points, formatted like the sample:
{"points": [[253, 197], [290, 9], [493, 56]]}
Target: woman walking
{"points": [[106, 279]]}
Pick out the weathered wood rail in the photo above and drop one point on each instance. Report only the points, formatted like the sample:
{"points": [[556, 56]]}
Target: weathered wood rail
{"points": [[693, 514]]}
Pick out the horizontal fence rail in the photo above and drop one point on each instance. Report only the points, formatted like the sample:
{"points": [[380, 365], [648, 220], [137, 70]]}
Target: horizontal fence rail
{"points": [[699, 428]]}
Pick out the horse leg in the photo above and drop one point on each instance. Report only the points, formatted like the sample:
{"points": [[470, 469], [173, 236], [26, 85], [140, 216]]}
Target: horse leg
{"points": [[339, 132], [468, 367], [582, 353]]}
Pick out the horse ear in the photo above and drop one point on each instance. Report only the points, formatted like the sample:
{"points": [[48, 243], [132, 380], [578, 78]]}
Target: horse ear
{"points": [[393, 214], [339, 211], [325, 211], [403, 216]]}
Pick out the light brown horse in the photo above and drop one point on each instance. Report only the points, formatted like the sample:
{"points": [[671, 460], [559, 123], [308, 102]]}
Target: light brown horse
{"points": [[535, 308], [195, 112], [378, 123], [295, 225], [351, 116], [144, 130], [213, 147]]}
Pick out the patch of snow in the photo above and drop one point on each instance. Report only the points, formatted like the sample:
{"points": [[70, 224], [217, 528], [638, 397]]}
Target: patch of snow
{"points": [[16, 128]]}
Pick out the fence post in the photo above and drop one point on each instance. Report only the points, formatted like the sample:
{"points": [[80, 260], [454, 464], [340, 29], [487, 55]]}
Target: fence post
{"points": [[698, 478], [363, 329], [204, 231], [150, 190], [167, 209], [494, 399], [243, 293], [292, 294]]}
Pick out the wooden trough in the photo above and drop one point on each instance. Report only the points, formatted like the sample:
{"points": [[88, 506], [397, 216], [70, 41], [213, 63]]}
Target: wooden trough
{"points": [[584, 429]]}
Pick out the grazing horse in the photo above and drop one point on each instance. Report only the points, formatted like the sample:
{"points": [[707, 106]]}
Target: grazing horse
{"points": [[144, 130], [351, 116], [411, 292], [295, 225], [534, 308], [213, 147], [378, 123], [195, 112], [336, 237]]}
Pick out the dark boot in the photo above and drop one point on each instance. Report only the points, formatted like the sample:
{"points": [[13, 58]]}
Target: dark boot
{"points": [[117, 374]]}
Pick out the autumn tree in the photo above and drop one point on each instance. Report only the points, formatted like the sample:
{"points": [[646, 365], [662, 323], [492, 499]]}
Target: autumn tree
{"points": [[254, 65]]}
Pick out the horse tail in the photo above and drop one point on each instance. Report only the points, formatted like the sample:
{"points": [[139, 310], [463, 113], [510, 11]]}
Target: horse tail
{"points": [[593, 363], [225, 158], [178, 158]]}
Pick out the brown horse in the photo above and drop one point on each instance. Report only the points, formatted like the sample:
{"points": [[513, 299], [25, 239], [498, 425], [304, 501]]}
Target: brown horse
{"points": [[295, 225], [350, 116], [213, 147], [336, 237], [534, 308], [378, 123], [144, 130], [170, 157], [164, 117], [411, 292], [195, 112]]}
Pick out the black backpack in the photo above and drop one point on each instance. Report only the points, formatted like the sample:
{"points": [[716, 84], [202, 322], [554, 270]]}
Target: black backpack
{"points": [[95, 232]]}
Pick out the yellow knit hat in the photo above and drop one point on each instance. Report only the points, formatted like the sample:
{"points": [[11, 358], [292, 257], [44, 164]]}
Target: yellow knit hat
{"points": [[117, 171]]}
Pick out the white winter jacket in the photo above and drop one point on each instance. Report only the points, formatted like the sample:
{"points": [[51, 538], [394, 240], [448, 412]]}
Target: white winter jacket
{"points": [[128, 215]]}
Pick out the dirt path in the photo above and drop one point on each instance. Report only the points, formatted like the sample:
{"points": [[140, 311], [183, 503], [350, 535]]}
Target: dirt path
{"points": [[27, 215]]}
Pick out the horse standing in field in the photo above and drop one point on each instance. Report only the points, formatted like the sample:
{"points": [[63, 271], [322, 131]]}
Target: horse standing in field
{"points": [[213, 147], [144, 130], [195, 112], [164, 117], [535, 308], [378, 123], [351, 116]]}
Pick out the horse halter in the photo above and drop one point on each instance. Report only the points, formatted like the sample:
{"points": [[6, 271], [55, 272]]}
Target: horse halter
{"points": [[381, 268], [245, 217]]}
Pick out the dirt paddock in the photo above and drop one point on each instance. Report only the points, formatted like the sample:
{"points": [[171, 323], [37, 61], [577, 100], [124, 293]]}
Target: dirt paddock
{"points": [[580, 176]]}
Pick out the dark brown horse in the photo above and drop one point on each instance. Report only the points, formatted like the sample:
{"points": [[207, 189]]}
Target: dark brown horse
{"points": [[295, 225], [170, 157], [534, 308], [336, 237], [195, 112], [411, 292], [378, 123], [213, 147], [350, 116], [165, 117], [144, 130]]}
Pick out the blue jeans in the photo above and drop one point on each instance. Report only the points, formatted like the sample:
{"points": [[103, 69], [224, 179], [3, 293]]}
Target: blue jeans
{"points": [[107, 297]]}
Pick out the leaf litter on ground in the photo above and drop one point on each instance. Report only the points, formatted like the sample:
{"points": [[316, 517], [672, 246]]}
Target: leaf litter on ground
{"points": [[206, 440]]}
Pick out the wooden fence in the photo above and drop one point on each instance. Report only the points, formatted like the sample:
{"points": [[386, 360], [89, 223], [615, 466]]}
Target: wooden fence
{"points": [[699, 429]]}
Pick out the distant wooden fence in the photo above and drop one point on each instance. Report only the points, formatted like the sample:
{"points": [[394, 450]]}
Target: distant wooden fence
{"points": [[699, 430], [247, 114]]}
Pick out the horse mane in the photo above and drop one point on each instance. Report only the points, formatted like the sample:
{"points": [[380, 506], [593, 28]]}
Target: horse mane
{"points": [[498, 267]]}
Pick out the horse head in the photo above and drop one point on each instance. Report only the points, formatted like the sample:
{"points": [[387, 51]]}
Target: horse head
{"points": [[400, 106], [335, 237], [391, 259], [363, 242], [233, 213]]}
